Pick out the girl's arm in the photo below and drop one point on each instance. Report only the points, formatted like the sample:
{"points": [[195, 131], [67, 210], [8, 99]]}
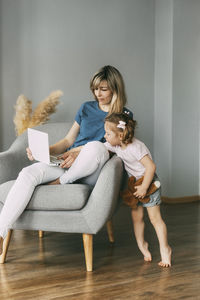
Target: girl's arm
{"points": [[150, 169]]}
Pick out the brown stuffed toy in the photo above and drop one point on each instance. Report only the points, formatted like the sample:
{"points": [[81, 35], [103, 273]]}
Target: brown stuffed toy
{"points": [[131, 200]]}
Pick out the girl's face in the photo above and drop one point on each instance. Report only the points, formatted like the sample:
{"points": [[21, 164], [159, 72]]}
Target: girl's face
{"points": [[111, 136], [103, 93]]}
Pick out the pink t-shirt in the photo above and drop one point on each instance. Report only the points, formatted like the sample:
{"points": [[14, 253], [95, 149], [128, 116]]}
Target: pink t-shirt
{"points": [[131, 156]]}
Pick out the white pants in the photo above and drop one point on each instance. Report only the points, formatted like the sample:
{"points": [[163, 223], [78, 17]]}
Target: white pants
{"points": [[87, 166]]}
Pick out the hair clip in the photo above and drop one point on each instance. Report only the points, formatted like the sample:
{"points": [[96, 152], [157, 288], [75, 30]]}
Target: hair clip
{"points": [[127, 112], [121, 125]]}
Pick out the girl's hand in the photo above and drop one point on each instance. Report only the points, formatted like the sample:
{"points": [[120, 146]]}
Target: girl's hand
{"points": [[140, 191], [29, 154], [69, 158]]}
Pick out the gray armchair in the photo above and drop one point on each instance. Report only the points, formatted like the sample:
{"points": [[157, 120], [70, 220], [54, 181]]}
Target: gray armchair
{"points": [[75, 208]]}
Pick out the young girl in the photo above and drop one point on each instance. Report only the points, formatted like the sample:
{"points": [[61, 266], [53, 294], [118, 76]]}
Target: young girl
{"points": [[81, 148], [138, 162]]}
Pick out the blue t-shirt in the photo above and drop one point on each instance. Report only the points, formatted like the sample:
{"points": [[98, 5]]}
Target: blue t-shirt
{"points": [[91, 120]]}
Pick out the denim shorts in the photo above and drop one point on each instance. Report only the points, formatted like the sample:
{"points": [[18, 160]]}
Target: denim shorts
{"points": [[155, 198]]}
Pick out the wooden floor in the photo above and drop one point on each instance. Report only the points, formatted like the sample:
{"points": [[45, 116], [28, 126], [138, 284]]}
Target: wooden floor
{"points": [[54, 268]]}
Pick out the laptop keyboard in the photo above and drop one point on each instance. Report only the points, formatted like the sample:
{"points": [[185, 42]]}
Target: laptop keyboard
{"points": [[55, 160]]}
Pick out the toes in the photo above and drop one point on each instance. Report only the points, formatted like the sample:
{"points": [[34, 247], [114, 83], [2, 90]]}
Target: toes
{"points": [[147, 259], [164, 265]]}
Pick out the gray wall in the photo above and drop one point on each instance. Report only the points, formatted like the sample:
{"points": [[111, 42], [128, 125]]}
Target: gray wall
{"points": [[59, 44], [177, 96], [163, 91], [1, 121], [186, 97]]}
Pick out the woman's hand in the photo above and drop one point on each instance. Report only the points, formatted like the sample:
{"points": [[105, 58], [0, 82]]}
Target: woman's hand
{"points": [[140, 191], [68, 157], [29, 154]]}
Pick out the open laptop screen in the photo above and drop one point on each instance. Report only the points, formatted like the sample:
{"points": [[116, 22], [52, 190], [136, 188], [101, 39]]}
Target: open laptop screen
{"points": [[39, 145]]}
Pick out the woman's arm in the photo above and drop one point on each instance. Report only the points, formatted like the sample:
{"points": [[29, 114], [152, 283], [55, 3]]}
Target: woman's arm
{"points": [[69, 139], [150, 169], [63, 144]]}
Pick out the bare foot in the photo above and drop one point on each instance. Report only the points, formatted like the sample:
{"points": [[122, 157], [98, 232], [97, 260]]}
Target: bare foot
{"points": [[1, 245], [57, 181], [166, 254], [145, 251]]}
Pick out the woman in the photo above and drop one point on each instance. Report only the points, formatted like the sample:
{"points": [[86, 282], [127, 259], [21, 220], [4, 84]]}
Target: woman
{"points": [[85, 155]]}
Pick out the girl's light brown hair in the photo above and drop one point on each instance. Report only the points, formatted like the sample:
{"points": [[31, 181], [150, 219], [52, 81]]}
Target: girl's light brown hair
{"points": [[129, 128], [116, 85]]}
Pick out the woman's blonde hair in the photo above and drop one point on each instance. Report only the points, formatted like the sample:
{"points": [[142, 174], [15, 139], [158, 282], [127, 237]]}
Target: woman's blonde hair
{"points": [[116, 85], [126, 126]]}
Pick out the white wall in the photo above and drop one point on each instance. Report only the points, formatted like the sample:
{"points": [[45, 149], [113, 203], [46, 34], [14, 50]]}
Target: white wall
{"points": [[59, 44]]}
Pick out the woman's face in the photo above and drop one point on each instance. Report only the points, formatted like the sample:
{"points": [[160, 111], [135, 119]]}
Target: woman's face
{"points": [[103, 93]]}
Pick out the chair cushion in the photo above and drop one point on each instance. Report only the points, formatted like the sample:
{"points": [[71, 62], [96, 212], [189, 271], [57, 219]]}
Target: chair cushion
{"points": [[62, 197]]}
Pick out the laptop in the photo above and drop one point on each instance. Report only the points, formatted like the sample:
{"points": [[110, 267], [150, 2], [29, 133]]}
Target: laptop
{"points": [[38, 142]]}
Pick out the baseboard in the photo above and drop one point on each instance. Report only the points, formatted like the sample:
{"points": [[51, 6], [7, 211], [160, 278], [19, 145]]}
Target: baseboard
{"points": [[185, 199]]}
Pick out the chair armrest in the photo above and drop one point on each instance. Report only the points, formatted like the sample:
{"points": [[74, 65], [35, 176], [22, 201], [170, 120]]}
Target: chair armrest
{"points": [[105, 195], [14, 159]]}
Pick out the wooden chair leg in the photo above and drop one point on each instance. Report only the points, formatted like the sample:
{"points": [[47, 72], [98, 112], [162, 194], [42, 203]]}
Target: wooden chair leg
{"points": [[41, 233], [88, 249], [5, 247], [109, 225]]}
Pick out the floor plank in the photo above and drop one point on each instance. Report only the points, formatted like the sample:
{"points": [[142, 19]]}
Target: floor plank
{"points": [[54, 267]]}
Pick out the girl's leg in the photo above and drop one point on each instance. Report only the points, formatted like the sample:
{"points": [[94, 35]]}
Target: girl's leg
{"points": [[161, 231], [88, 164], [138, 225], [22, 190]]}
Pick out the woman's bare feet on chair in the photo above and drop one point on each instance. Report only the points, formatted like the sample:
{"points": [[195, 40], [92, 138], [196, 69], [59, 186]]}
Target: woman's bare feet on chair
{"points": [[145, 251], [57, 181], [1, 245], [166, 254]]}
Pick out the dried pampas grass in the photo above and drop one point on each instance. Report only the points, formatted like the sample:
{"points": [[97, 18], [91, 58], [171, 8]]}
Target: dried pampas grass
{"points": [[45, 108], [24, 117]]}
